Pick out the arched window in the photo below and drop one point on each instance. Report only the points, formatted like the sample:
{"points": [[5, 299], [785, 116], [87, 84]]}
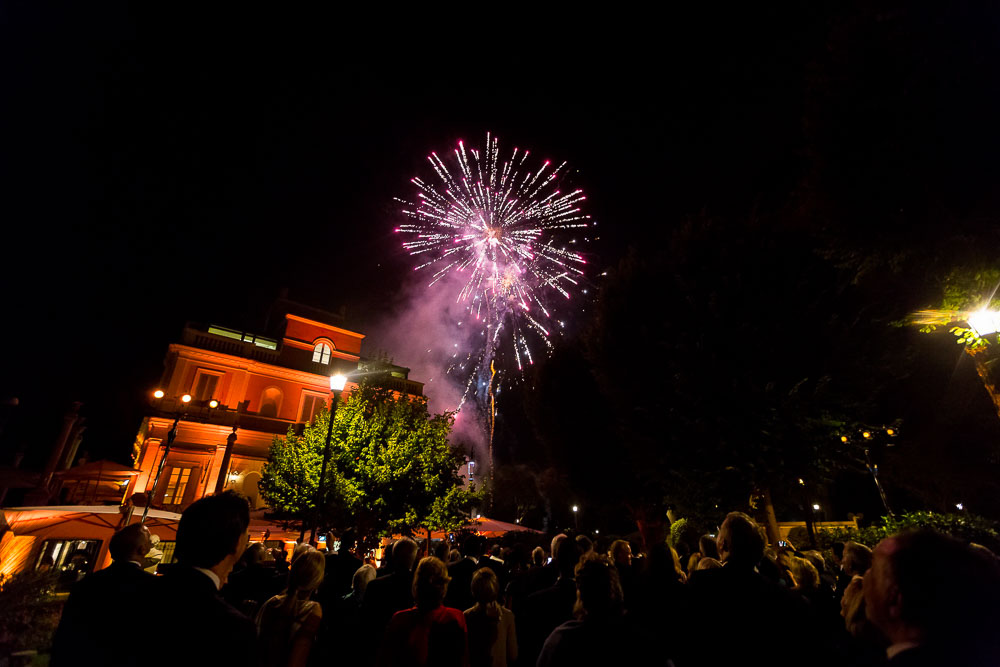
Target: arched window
{"points": [[321, 353], [270, 402]]}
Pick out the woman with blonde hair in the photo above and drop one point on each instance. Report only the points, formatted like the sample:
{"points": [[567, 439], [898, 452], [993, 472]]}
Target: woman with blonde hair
{"points": [[287, 624], [429, 633], [492, 639]]}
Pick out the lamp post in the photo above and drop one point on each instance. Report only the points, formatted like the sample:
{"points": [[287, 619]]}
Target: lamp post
{"points": [[337, 383], [576, 517], [185, 399]]}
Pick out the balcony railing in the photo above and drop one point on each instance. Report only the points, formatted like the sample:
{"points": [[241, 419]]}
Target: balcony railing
{"points": [[245, 349]]}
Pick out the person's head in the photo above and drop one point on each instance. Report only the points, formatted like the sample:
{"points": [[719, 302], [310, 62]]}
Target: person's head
{"points": [[857, 559], [485, 586], [556, 541], [362, 576], [441, 550], [454, 556], [299, 550], [707, 563], [255, 554], [404, 552], [621, 553], [740, 542], [926, 587], [348, 541], [806, 576], [212, 533], [584, 544], [306, 574], [707, 547], [473, 546], [280, 555], [131, 543], [538, 556], [816, 558], [838, 552], [852, 608], [430, 583], [566, 556], [599, 592]]}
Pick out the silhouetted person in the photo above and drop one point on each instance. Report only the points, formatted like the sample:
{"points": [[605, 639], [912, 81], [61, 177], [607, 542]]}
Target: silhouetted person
{"points": [[599, 634], [936, 600], [544, 611], [96, 602], [389, 593], [429, 634], [459, 590], [340, 566], [492, 634], [253, 585], [736, 614], [535, 579], [288, 623], [201, 626]]}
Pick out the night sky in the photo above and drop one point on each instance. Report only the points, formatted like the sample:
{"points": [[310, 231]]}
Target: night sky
{"points": [[165, 166]]}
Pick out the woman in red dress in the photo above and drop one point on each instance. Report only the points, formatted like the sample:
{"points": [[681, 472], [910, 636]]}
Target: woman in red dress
{"points": [[430, 633]]}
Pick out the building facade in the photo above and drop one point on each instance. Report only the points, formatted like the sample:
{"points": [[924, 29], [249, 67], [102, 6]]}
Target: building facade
{"points": [[244, 389]]}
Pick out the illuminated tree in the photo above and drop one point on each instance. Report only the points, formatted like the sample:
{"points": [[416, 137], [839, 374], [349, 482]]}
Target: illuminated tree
{"points": [[391, 468]]}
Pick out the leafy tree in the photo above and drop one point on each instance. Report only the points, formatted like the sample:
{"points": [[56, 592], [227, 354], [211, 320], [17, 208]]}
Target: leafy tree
{"points": [[290, 478], [391, 468]]}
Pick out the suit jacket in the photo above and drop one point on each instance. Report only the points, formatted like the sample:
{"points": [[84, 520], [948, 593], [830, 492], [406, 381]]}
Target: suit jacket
{"points": [[459, 595], [95, 604], [385, 596], [541, 613], [198, 624]]}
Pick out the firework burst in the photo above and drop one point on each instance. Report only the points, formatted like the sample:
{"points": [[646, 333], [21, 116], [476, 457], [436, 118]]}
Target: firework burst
{"points": [[500, 227]]}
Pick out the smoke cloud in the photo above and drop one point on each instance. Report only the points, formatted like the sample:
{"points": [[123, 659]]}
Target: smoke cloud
{"points": [[428, 331]]}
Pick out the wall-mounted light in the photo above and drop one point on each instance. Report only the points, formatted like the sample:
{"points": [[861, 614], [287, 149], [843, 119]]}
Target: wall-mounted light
{"points": [[186, 398], [158, 393], [213, 403]]}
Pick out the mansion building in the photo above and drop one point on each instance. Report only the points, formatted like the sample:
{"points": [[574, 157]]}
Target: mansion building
{"points": [[225, 393], [244, 389]]}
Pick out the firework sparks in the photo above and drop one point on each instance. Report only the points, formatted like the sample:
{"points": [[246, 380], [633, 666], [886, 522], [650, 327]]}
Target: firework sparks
{"points": [[499, 225]]}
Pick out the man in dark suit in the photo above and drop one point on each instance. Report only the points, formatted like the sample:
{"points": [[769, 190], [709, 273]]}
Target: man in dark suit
{"points": [[748, 611], [535, 579], [202, 628], [97, 600], [392, 592], [340, 566], [544, 611], [459, 595]]}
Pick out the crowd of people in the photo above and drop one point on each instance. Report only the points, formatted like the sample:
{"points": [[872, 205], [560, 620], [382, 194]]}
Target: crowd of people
{"points": [[918, 598]]}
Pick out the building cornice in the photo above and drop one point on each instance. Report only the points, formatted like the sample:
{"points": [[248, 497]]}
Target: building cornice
{"points": [[352, 334], [251, 366]]}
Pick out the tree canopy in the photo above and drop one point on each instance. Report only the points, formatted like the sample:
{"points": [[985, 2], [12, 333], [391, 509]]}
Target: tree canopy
{"points": [[391, 467]]}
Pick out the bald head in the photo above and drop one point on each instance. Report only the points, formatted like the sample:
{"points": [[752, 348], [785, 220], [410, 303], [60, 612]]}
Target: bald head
{"points": [[131, 543]]}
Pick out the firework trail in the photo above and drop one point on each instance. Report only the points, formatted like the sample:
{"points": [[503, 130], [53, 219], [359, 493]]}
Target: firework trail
{"points": [[500, 227]]}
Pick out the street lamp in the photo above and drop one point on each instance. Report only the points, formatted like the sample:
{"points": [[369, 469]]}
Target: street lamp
{"points": [[984, 322], [576, 517], [337, 384], [171, 434]]}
